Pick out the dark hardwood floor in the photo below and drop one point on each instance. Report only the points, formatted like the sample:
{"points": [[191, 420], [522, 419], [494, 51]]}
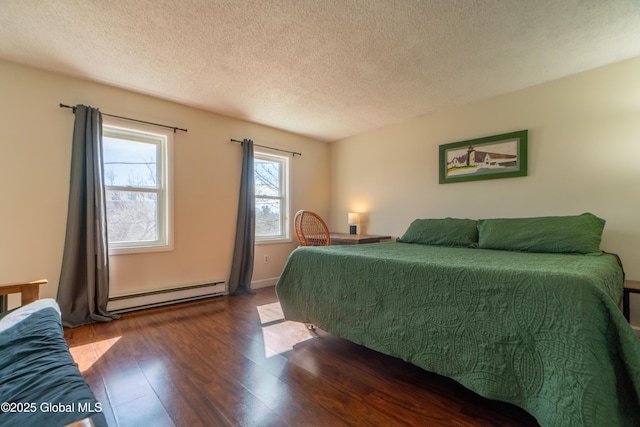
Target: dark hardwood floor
{"points": [[228, 361]]}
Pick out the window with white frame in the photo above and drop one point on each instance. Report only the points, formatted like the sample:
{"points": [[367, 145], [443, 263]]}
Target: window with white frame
{"points": [[137, 183], [271, 174]]}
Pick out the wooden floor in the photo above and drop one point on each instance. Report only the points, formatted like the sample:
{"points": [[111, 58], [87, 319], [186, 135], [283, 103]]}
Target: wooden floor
{"points": [[233, 361]]}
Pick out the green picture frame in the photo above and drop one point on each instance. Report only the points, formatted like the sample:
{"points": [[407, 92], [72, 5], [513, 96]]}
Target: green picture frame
{"points": [[491, 157]]}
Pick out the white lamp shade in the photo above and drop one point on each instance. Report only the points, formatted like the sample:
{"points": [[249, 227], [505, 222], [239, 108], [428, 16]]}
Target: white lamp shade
{"points": [[354, 218]]}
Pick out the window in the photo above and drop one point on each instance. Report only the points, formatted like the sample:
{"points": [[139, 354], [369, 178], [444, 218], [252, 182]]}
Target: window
{"points": [[136, 174], [272, 197]]}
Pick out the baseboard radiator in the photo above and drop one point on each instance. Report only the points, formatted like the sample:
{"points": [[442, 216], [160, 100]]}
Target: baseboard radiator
{"points": [[160, 297]]}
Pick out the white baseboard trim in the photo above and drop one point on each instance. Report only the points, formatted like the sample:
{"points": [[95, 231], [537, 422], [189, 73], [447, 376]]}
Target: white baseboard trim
{"points": [[636, 329], [264, 283]]}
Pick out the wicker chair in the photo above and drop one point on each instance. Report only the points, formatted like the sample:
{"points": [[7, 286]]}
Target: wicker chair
{"points": [[311, 230]]}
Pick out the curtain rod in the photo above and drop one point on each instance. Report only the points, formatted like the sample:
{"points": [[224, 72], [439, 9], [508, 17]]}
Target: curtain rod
{"points": [[130, 119], [293, 153]]}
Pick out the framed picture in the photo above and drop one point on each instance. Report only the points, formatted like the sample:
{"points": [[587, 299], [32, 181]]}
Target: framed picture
{"points": [[491, 157]]}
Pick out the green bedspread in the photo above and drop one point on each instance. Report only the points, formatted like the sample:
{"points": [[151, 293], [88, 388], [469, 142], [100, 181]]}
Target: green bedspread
{"points": [[542, 331]]}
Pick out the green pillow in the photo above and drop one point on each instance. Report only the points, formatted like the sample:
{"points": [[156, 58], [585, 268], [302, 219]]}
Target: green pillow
{"points": [[579, 234], [453, 232]]}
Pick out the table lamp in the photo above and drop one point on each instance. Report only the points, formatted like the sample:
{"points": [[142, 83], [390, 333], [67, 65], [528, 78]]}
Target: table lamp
{"points": [[354, 219]]}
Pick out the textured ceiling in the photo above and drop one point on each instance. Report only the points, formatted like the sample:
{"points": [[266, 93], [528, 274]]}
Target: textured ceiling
{"points": [[327, 69]]}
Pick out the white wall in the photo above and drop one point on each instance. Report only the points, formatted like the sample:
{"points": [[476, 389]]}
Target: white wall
{"points": [[35, 152], [584, 152]]}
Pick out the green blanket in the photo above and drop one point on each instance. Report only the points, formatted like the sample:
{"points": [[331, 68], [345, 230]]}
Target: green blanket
{"points": [[542, 331]]}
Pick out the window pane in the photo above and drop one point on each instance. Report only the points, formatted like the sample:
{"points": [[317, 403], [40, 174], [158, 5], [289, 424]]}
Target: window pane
{"points": [[268, 217], [130, 163], [132, 216], [267, 176]]}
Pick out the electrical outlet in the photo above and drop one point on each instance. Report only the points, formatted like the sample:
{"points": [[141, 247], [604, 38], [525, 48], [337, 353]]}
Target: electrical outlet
{"points": [[266, 259]]}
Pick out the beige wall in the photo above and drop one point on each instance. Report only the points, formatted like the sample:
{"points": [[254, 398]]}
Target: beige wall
{"points": [[584, 142], [584, 151], [35, 151]]}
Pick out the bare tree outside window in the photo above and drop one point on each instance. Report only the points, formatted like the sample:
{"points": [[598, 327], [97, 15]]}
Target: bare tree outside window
{"points": [[270, 192], [134, 191]]}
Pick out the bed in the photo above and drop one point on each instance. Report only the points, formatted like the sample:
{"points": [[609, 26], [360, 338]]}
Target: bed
{"points": [[40, 383], [506, 307]]}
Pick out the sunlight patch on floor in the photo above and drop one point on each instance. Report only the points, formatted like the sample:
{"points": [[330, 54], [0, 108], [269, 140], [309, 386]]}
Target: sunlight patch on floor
{"points": [[87, 354], [270, 313], [280, 335]]}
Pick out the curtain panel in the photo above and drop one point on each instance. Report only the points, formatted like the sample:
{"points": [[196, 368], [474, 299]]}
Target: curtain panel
{"points": [[83, 290], [243, 253]]}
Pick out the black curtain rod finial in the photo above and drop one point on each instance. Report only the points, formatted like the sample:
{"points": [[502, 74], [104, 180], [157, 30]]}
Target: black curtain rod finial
{"points": [[73, 109]]}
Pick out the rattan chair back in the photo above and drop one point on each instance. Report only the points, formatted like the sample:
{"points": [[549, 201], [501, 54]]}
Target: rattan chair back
{"points": [[311, 230]]}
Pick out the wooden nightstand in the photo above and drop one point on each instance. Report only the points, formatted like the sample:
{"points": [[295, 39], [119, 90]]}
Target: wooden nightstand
{"points": [[630, 286], [355, 239]]}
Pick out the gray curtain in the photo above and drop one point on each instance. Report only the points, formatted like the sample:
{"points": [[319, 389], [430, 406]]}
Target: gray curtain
{"points": [[242, 266], [84, 280]]}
